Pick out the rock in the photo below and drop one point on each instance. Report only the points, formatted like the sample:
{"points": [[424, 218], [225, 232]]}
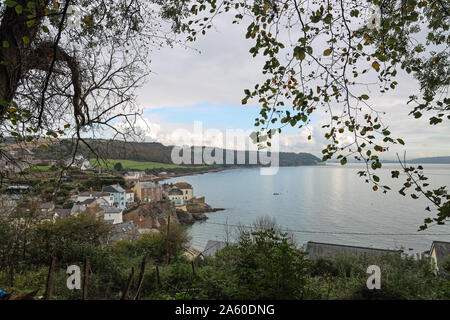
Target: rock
{"points": [[185, 217], [199, 216]]}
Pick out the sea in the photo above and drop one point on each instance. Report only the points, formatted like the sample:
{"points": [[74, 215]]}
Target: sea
{"points": [[329, 203]]}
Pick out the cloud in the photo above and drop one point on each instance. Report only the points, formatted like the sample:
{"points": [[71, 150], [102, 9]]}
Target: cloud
{"points": [[209, 87]]}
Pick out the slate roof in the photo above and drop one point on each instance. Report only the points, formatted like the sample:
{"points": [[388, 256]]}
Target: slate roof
{"points": [[175, 192], [212, 247], [87, 201], [183, 185], [95, 194], [63, 213], [125, 230], [442, 250], [316, 249], [107, 209], [148, 185], [46, 205], [115, 188], [78, 208]]}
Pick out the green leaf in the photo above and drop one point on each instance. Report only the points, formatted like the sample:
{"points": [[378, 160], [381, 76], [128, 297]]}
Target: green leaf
{"points": [[5, 44], [26, 40], [10, 3], [19, 9], [365, 97], [343, 161], [376, 178]]}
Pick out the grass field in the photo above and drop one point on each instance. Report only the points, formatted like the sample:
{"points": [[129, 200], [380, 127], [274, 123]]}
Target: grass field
{"points": [[38, 169], [138, 165]]}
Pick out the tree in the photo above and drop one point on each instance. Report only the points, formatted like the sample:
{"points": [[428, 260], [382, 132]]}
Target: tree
{"points": [[70, 69], [319, 58], [118, 166]]}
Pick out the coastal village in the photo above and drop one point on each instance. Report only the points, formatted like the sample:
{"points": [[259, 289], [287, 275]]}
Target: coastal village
{"points": [[143, 203], [136, 202]]}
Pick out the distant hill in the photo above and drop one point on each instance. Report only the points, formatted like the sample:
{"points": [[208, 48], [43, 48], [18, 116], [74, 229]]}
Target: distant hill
{"points": [[429, 160], [434, 160], [153, 151]]}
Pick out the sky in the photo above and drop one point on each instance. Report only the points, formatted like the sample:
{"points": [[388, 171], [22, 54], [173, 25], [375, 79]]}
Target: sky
{"points": [[206, 84]]}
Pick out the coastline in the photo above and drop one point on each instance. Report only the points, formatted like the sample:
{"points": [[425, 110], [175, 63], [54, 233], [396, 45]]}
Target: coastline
{"points": [[230, 168]]}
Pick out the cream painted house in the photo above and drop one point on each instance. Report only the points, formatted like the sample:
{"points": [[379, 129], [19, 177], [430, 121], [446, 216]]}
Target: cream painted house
{"points": [[186, 189]]}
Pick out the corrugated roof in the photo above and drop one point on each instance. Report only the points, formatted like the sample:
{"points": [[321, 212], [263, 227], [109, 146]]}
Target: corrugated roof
{"points": [[315, 249], [212, 247]]}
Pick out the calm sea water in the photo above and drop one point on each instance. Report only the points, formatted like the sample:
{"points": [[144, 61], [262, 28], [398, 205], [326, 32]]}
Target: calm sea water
{"points": [[318, 203]]}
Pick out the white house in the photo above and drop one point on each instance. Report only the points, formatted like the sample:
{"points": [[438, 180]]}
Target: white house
{"points": [[109, 198], [112, 214], [134, 175], [129, 195], [175, 195], [186, 189]]}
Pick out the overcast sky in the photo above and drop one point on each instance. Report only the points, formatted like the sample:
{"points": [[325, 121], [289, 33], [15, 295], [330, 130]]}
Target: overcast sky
{"points": [[188, 86]]}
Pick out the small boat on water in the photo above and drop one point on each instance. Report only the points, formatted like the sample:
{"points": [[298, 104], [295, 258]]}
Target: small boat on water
{"points": [[276, 194]]}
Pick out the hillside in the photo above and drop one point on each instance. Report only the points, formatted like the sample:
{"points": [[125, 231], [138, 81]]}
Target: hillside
{"points": [[434, 160], [152, 151]]}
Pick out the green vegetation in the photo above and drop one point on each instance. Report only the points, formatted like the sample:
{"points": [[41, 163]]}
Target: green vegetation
{"points": [[137, 165], [263, 264], [38, 169]]}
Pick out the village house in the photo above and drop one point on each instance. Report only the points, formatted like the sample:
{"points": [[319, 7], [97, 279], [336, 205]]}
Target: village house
{"points": [[130, 195], [439, 253], [109, 198], [95, 202], [80, 162], [112, 215], [148, 191], [126, 230], [46, 207], [163, 175], [134, 175], [175, 195], [61, 213], [19, 189], [186, 189], [119, 195]]}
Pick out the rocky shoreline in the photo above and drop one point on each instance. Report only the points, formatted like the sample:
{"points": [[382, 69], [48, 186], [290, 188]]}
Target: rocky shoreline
{"points": [[151, 216]]}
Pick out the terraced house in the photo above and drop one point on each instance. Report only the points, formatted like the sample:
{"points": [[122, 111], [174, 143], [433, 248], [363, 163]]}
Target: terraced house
{"points": [[119, 194], [148, 191]]}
